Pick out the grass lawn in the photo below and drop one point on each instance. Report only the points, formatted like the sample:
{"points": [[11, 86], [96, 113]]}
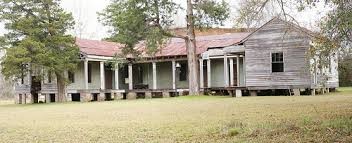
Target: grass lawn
{"points": [[323, 118]]}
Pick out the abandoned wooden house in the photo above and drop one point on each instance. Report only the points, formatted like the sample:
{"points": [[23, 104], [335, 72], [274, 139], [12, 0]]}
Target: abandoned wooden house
{"points": [[273, 57]]}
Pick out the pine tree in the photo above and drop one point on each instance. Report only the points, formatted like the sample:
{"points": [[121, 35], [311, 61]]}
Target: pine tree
{"points": [[37, 37]]}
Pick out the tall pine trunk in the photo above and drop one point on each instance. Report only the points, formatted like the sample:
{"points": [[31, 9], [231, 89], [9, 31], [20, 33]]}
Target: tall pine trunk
{"points": [[191, 52], [61, 87]]}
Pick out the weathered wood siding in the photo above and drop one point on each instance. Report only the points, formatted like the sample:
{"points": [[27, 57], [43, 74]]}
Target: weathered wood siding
{"points": [[277, 36]]}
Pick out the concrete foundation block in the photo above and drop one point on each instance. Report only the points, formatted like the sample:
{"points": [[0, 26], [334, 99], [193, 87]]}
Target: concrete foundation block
{"points": [[166, 94], [238, 93], [327, 90], [101, 96], [118, 96], [322, 91], [313, 92], [86, 97], [296, 92], [253, 93], [68, 97], [148, 95], [131, 95]]}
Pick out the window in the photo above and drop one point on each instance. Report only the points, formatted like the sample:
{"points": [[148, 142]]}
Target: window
{"points": [[277, 64], [89, 73], [183, 72], [71, 77], [49, 77]]}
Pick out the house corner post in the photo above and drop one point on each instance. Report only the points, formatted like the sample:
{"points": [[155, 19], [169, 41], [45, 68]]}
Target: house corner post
{"points": [[154, 76]]}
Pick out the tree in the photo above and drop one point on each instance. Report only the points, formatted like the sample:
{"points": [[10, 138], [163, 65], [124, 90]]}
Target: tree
{"points": [[133, 21], [37, 38], [335, 27]]}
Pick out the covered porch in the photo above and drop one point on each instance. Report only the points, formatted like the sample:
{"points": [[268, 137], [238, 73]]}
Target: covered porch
{"points": [[223, 70]]}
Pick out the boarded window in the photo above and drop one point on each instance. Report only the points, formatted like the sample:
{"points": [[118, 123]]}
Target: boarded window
{"points": [[183, 72], [277, 64], [89, 73], [71, 77]]}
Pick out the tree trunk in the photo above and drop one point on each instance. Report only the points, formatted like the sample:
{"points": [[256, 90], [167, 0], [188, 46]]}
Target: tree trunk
{"points": [[191, 52], [61, 87]]}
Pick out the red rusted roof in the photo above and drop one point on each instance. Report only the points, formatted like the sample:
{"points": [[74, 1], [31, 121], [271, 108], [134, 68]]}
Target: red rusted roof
{"points": [[98, 48], [175, 47]]}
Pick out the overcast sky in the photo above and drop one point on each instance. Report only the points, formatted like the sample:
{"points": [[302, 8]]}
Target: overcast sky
{"points": [[85, 12]]}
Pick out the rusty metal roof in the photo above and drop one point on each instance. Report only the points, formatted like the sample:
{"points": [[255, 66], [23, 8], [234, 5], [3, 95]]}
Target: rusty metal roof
{"points": [[174, 47]]}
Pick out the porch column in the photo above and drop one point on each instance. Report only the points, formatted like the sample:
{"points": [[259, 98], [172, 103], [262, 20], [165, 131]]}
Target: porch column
{"points": [[238, 70], [201, 73], [85, 74], [231, 73], [116, 76], [244, 70], [154, 76], [173, 74], [130, 80], [209, 72], [226, 72], [102, 76]]}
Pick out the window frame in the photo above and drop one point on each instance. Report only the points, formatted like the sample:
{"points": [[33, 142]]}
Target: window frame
{"points": [[71, 76], [49, 77], [277, 62]]}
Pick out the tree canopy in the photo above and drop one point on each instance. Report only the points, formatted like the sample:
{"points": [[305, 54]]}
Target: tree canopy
{"points": [[150, 21], [37, 37]]}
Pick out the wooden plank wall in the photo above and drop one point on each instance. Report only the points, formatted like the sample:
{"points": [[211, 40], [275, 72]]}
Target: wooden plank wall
{"points": [[277, 36]]}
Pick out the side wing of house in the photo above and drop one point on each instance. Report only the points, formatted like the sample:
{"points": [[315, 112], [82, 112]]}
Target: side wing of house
{"points": [[276, 57]]}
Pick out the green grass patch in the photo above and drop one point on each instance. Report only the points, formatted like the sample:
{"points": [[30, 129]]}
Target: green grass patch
{"points": [[183, 119]]}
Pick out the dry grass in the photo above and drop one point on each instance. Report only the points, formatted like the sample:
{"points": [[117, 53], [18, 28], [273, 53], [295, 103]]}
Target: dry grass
{"points": [[325, 118]]}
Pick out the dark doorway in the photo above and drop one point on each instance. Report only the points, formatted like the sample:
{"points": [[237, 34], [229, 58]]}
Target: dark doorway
{"points": [[235, 74], [35, 88], [52, 98], [95, 97], [108, 77], [76, 97], [205, 73]]}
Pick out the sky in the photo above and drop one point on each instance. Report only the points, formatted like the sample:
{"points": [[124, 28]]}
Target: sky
{"points": [[85, 14]]}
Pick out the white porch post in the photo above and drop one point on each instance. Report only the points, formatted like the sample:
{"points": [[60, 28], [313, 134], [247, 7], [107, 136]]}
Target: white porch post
{"points": [[244, 70], [226, 72], [238, 69], [173, 74], [102, 76], [130, 80], [201, 73], [231, 73], [154, 76], [116, 76], [209, 72], [85, 74]]}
